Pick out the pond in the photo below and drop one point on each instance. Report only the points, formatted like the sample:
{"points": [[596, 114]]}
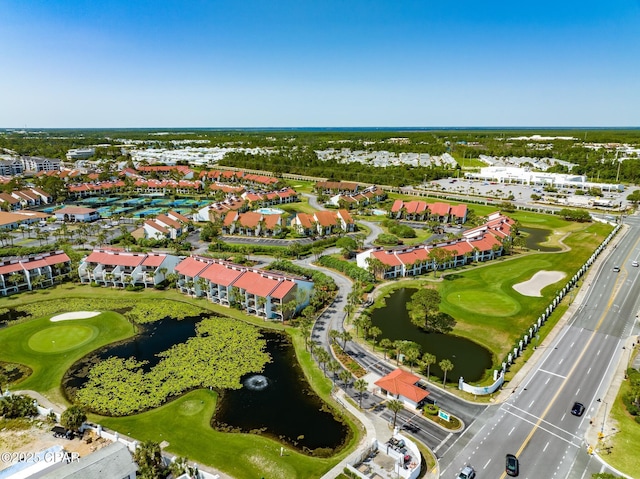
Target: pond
{"points": [[279, 402], [470, 360], [533, 238]]}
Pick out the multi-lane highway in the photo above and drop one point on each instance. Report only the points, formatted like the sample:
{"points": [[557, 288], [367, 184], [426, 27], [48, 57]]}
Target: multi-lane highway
{"points": [[535, 423]]}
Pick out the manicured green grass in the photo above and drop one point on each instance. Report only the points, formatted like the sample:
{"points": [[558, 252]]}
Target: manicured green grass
{"points": [[49, 349], [625, 439], [482, 299], [184, 423], [59, 338]]}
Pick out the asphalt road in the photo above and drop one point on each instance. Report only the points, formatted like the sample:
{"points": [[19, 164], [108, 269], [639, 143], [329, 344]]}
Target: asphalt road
{"points": [[535, 423]]}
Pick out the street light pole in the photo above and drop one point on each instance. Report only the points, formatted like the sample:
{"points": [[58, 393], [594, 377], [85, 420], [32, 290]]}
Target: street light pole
{"points": [[604, 418]]}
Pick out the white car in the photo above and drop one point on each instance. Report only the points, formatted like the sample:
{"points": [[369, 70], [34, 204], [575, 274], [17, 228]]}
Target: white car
{"points": [[467, 473], [634, 263]]}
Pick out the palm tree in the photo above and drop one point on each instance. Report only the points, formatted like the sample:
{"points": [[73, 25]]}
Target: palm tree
{"points": [[305, 329], [345, 336], [334, 334], [323, 357], [361, 386], [446, 366], [386, 345], [374, 332], [333, 366], [345, 376], [73, 417], [427, 360], [412, 354], [148, 455], [395, 406]]}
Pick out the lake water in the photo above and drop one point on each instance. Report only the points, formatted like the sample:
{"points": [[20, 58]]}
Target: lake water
{"points": [[278, 401], [535, 236], [470, 360]]}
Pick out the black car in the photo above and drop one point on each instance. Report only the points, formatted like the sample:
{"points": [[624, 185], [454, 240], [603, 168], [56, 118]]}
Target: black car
{"points": [[513, 466], [577, 409]]}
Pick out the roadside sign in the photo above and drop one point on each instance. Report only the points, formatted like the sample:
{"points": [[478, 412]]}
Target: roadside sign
{"points": [[443, 415]]}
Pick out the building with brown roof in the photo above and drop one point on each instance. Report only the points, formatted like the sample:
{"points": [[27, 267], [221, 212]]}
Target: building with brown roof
{"points": [[260, 292], [479, 244], [402, 385], [76, 214], [118, 268]]}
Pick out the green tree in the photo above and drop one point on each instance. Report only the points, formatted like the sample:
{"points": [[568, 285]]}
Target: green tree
{"points": [[360, 385], [73, 418], [424, 311], [345, 376], [395, 406], [16, 406], [634, 198], [333, 366], [412, 354], [446, 366], [148, 456], [386, 346], [4, 380], [323, 357], [427, 360], [348, 245], [374, 332]]}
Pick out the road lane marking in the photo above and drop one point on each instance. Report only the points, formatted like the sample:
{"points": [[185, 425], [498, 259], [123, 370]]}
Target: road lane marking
{"points": [[485, 466], [531, 404], [545, 446], [553, 374], [564, 383], [512, 429]]}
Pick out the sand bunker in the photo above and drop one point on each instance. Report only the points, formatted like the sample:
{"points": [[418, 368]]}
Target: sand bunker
{"points": [[75, 315], [538, 282]]}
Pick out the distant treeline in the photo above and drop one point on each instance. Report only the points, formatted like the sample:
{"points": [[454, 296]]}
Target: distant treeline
{"points": [[295, 148]]}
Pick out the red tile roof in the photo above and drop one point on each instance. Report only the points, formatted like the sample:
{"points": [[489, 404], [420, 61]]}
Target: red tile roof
{"points": [[116, 259], [154, 260], [282, 289], [440, 209], [221, 274], [326, 218], [402, 383], [191, 267], [305, 220], [256, 284]]}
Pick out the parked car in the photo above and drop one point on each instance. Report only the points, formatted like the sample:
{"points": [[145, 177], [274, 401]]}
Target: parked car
{"points": [[59, 431], [467, 473], [513, 466], [577, 409]]}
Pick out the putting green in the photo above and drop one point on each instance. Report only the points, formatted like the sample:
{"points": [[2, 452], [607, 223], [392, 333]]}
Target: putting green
{"points": [[484, 302], [57, 339], [190, 408]]}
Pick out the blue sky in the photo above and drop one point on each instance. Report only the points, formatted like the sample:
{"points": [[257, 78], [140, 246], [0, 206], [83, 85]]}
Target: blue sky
{"points": [[271, 63]]}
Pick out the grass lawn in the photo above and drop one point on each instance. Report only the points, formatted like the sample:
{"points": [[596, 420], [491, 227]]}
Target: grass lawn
{"points": [[49, 349], [626, 439], [184, 423], [482, 299]]}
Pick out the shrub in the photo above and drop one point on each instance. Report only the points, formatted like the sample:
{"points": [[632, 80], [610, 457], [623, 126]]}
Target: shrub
{"points": [[15, 406]]}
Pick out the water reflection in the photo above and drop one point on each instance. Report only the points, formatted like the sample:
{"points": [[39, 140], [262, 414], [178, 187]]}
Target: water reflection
{"points": [[278, 403], [470, 360], [535, 236]]}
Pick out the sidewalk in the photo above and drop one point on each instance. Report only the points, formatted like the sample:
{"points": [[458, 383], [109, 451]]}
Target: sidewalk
{"points": [[526, 368], [375, 427]]}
